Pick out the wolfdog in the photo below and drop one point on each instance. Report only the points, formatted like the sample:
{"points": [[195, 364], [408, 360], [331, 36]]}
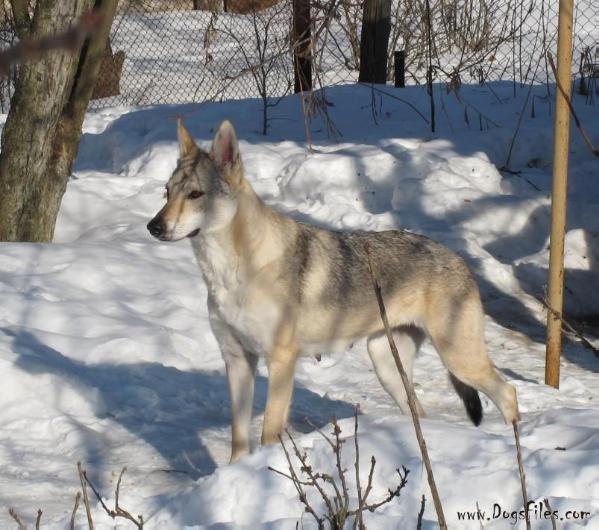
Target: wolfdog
{"points": [[279, 288]]}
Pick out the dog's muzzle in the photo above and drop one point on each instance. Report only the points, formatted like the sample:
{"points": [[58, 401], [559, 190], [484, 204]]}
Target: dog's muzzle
{"points": [[156, 227]]}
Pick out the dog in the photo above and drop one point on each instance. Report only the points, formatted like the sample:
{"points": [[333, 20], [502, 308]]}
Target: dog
{"points": [[278, 289]]}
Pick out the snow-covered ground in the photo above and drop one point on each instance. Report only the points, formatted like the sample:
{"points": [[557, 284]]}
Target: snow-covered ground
{"points": [[106, 355]]}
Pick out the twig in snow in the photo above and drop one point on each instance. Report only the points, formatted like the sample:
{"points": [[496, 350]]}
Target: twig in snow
{"points": [[337, 505], [14, 515], [546, 501], [480, 523], [77, 499], [421, 513], [298, 485], [410, 394], [522, 475], [38, 519], [358, 519], [118, 511], [90, 521]]}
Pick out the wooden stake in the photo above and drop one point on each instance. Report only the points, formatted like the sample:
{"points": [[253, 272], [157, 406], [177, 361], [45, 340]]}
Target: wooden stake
{"points": [[559, 193]]}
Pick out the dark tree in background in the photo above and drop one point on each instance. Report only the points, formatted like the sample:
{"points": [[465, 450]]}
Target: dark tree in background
{"points": [[376, 26], [41, 136]]}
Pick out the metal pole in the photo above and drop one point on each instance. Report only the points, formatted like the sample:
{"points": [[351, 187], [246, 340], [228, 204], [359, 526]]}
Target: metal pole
{"points": [[559, 193]]}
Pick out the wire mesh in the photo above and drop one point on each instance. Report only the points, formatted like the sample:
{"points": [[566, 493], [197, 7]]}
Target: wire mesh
{"points": [[177, 51]]}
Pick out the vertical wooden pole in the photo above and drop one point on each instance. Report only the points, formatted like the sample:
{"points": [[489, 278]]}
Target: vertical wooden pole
{"points": [[302, 47], [559, 194], [399, 60], [374, 41]]}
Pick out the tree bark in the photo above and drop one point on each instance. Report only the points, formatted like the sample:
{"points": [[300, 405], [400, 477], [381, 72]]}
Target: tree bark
{"points": [[376, 26], [208, 5], [41, 136], [302, 49]]}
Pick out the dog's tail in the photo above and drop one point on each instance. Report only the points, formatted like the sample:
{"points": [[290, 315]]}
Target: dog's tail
{"points": [[470, 398]]}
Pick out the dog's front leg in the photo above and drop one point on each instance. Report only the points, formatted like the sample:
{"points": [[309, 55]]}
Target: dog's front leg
{"points": [[281, 367], [241, 371], [241, 374]]}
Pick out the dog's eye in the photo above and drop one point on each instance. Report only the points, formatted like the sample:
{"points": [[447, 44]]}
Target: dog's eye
{"points": [[195, 194]]}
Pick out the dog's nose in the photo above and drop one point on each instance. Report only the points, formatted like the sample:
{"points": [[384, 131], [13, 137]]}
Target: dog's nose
{"points": [[156, 227]]}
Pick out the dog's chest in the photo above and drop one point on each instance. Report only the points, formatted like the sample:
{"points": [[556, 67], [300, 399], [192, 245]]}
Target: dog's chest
{"points": [[239, 303]]}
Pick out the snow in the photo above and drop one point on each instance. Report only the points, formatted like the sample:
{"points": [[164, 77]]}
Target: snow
{"points": [[107, 357]]}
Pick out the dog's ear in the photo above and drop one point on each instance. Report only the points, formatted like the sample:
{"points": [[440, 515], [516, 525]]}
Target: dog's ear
{"points": [[225, 154], [187, 145]]}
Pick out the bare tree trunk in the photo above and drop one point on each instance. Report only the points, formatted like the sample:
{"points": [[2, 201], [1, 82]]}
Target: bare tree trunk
{"points": [[376, 26], [302, 49], [41, 136]]}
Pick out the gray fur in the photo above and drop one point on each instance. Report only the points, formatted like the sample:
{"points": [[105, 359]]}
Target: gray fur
{"points": [[279, 289]]}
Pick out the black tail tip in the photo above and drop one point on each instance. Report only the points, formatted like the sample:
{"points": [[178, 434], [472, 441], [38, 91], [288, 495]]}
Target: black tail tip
{"points": [[471, 399]]}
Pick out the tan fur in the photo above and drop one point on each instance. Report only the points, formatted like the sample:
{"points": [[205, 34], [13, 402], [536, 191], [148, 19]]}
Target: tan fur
{"points": [[276, 289]]}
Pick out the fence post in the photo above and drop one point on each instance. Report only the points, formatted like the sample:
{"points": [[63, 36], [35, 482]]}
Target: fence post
{"points": [[302, 49], [376, 25], [559, 193], [399, 62]]}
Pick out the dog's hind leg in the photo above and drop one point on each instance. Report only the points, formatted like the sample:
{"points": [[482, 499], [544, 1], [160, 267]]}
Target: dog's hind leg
{"points": [[408, 340], [457, 331]]}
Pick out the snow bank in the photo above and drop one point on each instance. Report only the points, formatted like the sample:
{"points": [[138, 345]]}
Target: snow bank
{"points": [[107, 357]]}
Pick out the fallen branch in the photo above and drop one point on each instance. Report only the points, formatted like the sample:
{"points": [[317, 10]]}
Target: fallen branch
{"points": [[522, 475], [410, 394], [579, 126]]}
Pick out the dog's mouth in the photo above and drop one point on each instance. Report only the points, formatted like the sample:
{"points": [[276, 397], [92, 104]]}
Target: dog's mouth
{"points": [[194, 233]]}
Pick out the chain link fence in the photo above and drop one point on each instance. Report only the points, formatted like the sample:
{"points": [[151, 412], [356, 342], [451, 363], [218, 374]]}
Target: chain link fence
{"points": [[177, 51]]}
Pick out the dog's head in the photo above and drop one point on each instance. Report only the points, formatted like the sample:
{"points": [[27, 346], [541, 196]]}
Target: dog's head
{"points": [[200, 195]]}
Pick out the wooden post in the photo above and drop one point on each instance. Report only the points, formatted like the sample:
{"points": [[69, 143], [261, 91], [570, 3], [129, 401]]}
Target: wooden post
{"points": [[302, 49], [376, 26], [399, 62], [555, 297]]}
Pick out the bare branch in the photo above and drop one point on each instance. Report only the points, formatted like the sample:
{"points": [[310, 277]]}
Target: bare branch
{"points": [[585, 136], [522, 475], [421, 513], [30, 49], [570, 327], [14, 515], [77, 499], [298, 486], [90, 522], [546, 501], [358, 520], [410, 394], [38, 520], [118, 511]]}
